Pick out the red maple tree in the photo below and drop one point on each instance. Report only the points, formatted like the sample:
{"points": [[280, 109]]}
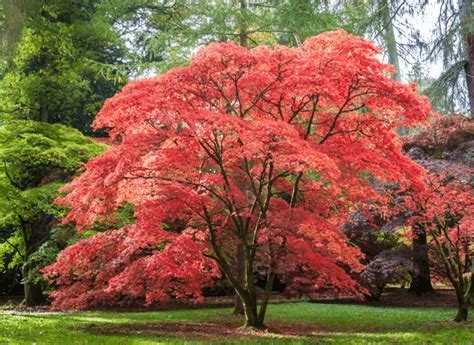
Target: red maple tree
{"points": [[268, 149], [444, 211]]}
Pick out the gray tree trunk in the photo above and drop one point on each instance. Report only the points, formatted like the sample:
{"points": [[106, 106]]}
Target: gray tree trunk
{"points": [[388, 32], [465, 9]]}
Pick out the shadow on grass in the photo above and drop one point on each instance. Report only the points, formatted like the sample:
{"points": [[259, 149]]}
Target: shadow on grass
{"points": [[224, 331], [293, 323]]}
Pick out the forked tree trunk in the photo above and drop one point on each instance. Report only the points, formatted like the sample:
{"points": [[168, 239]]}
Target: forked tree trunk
{"points": [[255, 317], [465, 290], [251, 315], [458, 269]]}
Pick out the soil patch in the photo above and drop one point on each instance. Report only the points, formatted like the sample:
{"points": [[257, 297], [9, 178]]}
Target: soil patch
{"points": [[200, 330], [440, 298], [401, 298]]}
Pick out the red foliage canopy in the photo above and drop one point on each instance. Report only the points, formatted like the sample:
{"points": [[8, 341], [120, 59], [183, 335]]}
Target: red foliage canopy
{"points": [[267, 147], [448, 186]]}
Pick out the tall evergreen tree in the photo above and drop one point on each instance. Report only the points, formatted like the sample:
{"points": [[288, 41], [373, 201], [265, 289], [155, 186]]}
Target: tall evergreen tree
{"points": [[453, 44], [54, 74]]}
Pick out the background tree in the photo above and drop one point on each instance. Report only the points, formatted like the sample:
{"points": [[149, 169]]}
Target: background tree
{"points": [[452, 43], [445, 212], [49, 73], [167, 34], [52, 77], [444, 148], [386, 28], [36, 159], [387, 253], [12, 18]]}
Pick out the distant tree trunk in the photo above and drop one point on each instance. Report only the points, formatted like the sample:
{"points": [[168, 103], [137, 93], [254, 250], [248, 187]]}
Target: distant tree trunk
{"points": [[43, 115], [33, 292], [469, 268], [421, 280], [12, 26], [469, 71], [15, 12], [243, 24], [390, 40], [389, 36], [32, 236], [465, 8]]}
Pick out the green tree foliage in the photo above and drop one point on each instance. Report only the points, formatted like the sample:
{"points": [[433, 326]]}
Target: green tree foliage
{"points": [[52, 59], [166, 33], [453, 44], [54, 75], [36, 158]]}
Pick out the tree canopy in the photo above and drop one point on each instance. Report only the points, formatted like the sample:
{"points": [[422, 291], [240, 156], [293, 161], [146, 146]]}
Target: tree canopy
{"points": [[36, 159], [265, 147]]}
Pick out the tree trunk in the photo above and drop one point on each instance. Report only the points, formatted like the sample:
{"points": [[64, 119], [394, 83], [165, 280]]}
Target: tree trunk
{"points": [[33, 292], [31, 235], [389, 36], [240, 268], [243, 24], [421, 280], [33, 295], [266, 296], [238, 306], [390, 40], [465, 12], [249, 297], [11, 30], [251, 316], [469, 72], [462, 314], [462, 304]]}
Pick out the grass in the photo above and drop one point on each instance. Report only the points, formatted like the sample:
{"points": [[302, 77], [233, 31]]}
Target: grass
{"points": [[294, 323]]}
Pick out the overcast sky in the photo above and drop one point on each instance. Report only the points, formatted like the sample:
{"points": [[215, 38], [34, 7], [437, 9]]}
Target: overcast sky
{"points": [[425, 24]]}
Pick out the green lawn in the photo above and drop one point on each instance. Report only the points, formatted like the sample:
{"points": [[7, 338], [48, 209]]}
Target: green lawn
{"points": [[299, 323]]}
